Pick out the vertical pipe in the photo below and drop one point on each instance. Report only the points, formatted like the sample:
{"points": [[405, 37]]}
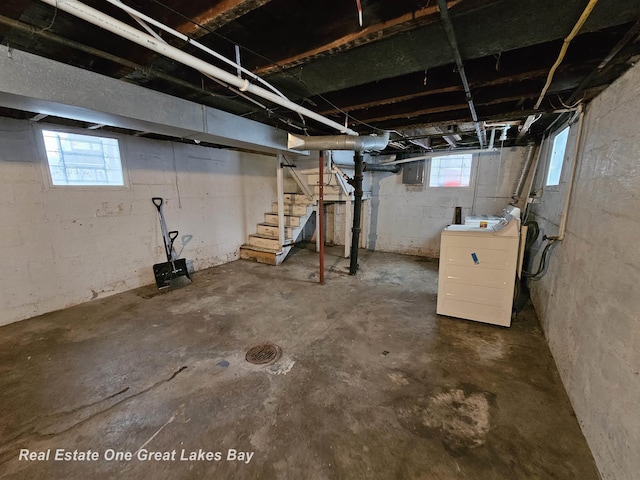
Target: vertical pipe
{"points": [[567, 196], [348, 205], [321, 213], [280, 187], [357, 212], [451, 36]]}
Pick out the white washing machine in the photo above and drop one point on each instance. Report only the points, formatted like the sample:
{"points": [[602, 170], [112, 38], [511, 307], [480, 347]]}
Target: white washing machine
{"points": [[476, 220], [477, 271]]}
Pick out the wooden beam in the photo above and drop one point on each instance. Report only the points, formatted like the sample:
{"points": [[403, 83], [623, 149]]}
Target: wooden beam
{"points": [[449, 108], [387, 100], [219, 15], [379, 31]]}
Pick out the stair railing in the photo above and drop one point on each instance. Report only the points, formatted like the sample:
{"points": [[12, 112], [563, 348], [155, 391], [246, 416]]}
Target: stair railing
{"points": [[296, 177]]}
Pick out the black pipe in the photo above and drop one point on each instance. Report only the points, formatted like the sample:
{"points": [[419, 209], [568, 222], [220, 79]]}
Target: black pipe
{"points": [[451, 36], [377, 167], [357, 211]]}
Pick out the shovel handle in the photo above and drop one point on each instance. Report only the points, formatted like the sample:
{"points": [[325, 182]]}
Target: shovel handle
{"points": [[173, 234], [157, 201]]}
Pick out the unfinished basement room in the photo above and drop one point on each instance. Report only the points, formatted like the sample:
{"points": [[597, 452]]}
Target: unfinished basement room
{"points": [[320, 240]]}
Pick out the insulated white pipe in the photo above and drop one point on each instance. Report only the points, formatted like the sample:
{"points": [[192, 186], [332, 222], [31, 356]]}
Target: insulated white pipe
{"points": [[493, 138], [138, 16], [117, 27], [443, 153]]}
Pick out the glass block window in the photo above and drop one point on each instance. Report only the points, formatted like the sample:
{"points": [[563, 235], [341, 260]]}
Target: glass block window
{"points": [[451, 171], [76, 159]]}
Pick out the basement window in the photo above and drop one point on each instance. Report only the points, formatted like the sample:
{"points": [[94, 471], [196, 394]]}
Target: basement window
{"points": [[451, 171], [557, 158], [76, 159]]}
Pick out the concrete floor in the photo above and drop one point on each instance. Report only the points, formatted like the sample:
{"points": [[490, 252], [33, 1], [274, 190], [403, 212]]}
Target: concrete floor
{"points": [[371, 385]]}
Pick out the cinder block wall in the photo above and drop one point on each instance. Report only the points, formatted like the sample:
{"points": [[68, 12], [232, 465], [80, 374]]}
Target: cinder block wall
{"points": [[66, 245], [588, 302], [409, 218]]}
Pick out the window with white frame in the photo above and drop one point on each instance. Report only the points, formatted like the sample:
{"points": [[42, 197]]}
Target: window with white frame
{"points": [[76, 159], [557, 158], [451, 171]]}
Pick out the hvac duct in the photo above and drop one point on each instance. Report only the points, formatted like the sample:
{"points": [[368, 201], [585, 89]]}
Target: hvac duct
{"points": [[524, 172], [339, 142]]}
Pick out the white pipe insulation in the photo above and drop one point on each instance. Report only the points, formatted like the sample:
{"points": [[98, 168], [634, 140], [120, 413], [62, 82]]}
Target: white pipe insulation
{"points": [[123, 30]]}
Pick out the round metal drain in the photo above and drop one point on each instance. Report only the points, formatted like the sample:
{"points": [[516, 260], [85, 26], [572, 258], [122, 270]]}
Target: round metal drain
{"points": [[263, 354]]}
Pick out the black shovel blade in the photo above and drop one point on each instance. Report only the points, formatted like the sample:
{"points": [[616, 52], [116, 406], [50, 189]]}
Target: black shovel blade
{"points": [[167, 271]]}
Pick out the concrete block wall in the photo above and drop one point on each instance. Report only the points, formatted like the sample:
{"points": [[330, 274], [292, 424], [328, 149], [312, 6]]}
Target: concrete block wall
{"points": [[66, 245], [409, 218], [588, 301]]}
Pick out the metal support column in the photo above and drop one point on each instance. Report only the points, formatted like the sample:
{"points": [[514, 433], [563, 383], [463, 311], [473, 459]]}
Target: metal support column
{"points": [[280, 188], [357, 212], [321, 213], [348, 215]]}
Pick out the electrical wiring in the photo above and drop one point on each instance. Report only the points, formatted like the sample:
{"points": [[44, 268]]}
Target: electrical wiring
{"points": [[543, 265], [563, 50]]}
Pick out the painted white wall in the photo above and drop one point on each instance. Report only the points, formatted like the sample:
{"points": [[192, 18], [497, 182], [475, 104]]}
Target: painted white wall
{"points": [[588, 302], [409, 218], [65, 245]]}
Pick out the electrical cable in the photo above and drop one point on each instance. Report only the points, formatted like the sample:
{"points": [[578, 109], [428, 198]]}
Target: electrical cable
{"points": [[533, 230], [543, 265], [563, 50]]}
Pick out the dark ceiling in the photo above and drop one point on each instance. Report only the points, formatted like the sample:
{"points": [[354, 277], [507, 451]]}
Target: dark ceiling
{"points": [[395, 72]]}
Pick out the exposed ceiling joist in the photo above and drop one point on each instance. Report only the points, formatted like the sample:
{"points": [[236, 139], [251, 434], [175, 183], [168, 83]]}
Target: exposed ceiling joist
{"points": [[396, 72], [218, 15], [404, 23]]}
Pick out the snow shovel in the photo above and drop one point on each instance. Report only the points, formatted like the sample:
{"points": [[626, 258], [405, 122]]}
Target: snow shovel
{"points": [[173, 273]]}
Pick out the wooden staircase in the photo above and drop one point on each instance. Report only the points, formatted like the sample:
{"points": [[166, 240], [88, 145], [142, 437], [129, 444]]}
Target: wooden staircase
{"points": [[298, 207], [264, 246]]}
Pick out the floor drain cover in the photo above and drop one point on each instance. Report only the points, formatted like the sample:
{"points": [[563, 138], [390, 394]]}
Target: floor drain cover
{"points": [[262, 354]]}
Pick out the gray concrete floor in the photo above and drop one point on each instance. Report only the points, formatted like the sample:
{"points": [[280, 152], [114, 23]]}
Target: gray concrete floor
{"points": [[371, 384]]}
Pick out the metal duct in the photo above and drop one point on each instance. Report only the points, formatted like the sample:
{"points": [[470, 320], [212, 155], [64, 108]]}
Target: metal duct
{"points": [[339, 142], [376, 167], [524, 172]]}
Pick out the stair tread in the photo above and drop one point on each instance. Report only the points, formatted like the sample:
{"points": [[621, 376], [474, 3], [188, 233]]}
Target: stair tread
{"points": [[247, 246], [300, 215], [268, 237]]}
